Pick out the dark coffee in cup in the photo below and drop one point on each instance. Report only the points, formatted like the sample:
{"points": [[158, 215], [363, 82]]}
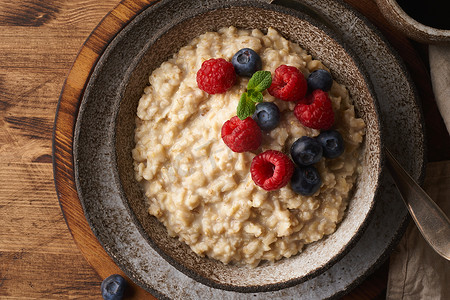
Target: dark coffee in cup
{"points": [[432, 13]]}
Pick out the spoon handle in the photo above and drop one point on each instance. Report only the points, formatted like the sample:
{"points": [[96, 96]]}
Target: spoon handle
{"points": [[429, 218]]}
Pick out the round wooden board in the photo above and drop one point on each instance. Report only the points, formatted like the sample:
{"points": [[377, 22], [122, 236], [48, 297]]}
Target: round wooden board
{"points": [[372, 288]]}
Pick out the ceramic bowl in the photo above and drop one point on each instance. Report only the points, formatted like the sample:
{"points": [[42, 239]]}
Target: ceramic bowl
{"points": [[394, 13], [119, 93]]}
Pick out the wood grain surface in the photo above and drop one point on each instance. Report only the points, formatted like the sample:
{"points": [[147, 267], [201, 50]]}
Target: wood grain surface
{"points": [[39, 41]]}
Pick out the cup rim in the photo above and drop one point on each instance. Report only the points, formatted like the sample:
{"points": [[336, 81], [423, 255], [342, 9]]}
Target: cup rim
{"points": [[397, 17]]}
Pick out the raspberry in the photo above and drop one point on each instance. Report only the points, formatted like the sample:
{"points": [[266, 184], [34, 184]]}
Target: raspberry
{"points": [[216, 76], [241, 135], [271, 170], [315, 110], [288, 84]]}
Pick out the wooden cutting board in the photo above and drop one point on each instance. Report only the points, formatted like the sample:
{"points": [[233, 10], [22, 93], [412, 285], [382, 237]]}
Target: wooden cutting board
{"points": [[373, 288]]}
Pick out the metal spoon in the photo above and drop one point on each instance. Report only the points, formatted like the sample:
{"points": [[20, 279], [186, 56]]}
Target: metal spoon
{"points": [[429, 218]]}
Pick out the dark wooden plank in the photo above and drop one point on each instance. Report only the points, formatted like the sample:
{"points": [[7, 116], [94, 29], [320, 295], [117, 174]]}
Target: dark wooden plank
{"points": [[31, 275]]}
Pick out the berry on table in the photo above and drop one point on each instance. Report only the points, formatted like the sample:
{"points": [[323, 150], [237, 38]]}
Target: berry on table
{"points": [[306, 181], [332, 143], [113, 287], [267, 115], [288, 84], [271, 170], [246, 62], [320, 80], [241, 135], [216, 76], [306, 151], [315, 110]]}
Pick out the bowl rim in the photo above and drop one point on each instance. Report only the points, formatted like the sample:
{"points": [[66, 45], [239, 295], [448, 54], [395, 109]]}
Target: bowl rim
{"points": [[257, 288]]}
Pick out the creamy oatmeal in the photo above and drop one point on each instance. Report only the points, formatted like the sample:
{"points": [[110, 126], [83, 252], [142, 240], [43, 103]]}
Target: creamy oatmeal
{"points": [[201, 190]]}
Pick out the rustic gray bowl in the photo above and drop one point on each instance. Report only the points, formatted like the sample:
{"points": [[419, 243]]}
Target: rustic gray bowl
{"points": [[109, 107]]}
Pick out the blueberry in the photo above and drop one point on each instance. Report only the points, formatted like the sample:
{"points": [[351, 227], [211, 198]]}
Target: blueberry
{"points": [[246, 62], [113, 287], [332, 143], [320, 80], [305, 180], [306, 151], [267, 115]]}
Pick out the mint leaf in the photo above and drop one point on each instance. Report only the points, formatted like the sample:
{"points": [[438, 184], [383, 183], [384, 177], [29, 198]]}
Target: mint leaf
{"points": [[255, 96], [246, 107], [260, 81]]}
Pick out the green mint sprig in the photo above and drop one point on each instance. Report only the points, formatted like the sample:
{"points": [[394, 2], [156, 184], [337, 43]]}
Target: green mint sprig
{"points": [[260, 81]]}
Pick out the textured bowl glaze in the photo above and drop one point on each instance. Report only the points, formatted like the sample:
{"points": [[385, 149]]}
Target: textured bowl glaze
{"points": [[127, 87], [409, 26]]}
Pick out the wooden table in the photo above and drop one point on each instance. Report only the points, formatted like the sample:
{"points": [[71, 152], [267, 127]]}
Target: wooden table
{"points": [[39, 40]]}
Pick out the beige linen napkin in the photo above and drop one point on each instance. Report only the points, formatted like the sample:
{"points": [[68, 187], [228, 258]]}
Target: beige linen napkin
{"points": [[415, 270]]}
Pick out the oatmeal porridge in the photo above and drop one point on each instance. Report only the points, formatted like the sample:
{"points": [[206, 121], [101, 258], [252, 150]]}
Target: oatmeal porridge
{"points": [[201, 190]]}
